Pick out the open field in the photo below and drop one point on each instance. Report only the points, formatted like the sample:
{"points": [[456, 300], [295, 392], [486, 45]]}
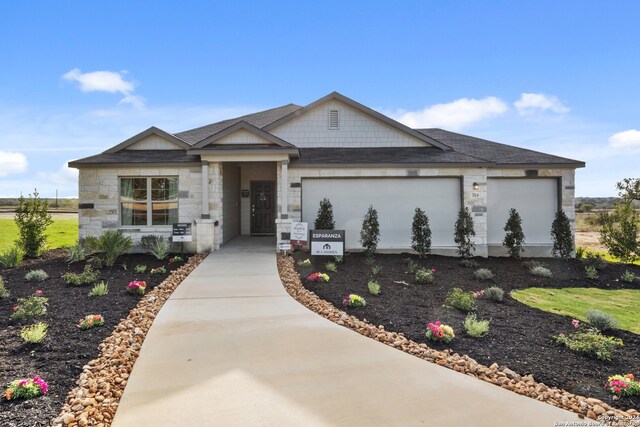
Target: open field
{"points": [[63, 232]]}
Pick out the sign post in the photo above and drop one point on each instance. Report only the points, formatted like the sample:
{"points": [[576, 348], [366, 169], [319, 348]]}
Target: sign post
{"points": [[327, 243], [181, 233]]}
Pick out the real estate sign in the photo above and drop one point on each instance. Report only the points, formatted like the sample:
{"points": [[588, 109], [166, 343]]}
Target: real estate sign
{"points": [[181, 232], [327, 242], [299, 233]]}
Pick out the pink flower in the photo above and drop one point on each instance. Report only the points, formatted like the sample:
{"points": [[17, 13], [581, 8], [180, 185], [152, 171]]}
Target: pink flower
{"points": [[15, 308], [575, 323], [38, 292], [433, 270]]}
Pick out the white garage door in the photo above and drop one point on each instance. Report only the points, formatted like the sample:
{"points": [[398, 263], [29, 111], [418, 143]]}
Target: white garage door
{"points": [[536, 200], [395, 199]]}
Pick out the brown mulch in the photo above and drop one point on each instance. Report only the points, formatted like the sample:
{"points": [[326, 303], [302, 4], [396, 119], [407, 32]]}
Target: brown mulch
{"points": [[520, 336]]}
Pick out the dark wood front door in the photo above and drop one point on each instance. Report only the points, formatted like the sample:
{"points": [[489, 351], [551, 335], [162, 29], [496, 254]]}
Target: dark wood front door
{"points": [[263, 201]]}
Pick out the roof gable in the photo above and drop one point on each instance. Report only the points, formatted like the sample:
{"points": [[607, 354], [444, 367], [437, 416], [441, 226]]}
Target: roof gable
{"points": [[242, 133], [171, 140]]}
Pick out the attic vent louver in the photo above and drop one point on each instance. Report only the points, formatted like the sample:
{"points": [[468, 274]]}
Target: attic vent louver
{"points": [[334, 119]]}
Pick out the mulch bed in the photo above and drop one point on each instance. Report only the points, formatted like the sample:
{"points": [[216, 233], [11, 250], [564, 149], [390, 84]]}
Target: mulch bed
{"points": [[59, 359], [520, 336]]}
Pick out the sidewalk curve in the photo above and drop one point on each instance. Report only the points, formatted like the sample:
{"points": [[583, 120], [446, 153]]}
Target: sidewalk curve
{"points": [[231, 348]]}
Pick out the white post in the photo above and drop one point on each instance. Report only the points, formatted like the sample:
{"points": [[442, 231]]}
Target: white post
{"points": [[205, 190], [284, 190]]}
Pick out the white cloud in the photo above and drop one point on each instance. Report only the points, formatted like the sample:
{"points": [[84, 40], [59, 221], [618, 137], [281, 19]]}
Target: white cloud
{"points": [[453, 115], [11, 162], [106, 81], [532, 103], [626, 139], [65, 176]]}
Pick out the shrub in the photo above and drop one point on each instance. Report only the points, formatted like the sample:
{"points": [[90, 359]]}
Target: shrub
{"points": [[376, 269], [561, 234], [12, 257], [148, 241], [4, 292], [483, 274], [619, 232], [532, 263], [36, 276], [137, 287], [305, 263], [99, 290], [32, 306], [590, 342], [318, 277], [514, 237], [461, 300], [590, 272], [541, 271], [374, 287], [140, 269], [35, 333], [176, 259], [601, 320], [158, 270], [412, 266], [424, 276], [76, 253], [353, 300], [160, 248], [440, 333], [27, 388], [623, 386], [464, 232], [370, 233], [580, 251], [420, 233], [469, 263], [107, 247], [88, 276], [91, 321], [32, 220], [324, 219], [596, 261], [494, 293], [628, 277], [331, 266], [474, 327]]}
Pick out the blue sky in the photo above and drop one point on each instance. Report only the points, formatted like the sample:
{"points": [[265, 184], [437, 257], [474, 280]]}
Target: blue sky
{"points": [[79, 77]]}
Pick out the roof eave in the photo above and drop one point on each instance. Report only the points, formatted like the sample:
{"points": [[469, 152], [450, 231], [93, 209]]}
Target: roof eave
{"points": [[242, 125], [145, 133]]}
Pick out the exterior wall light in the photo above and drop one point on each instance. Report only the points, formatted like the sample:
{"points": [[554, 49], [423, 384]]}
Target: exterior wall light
{"points": [[476, 186]]}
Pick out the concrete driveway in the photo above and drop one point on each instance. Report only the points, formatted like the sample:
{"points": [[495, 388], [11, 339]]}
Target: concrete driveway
{"points": [[232, 348]]}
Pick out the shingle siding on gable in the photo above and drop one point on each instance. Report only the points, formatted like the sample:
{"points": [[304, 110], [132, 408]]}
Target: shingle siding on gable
{"points": [[356, 130], [153, 142], [241, 137]]}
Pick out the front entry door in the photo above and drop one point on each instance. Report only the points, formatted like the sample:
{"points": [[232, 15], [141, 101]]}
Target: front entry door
{"points": [[262, 207]]}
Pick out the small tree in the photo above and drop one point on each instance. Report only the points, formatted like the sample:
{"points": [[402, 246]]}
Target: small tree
{"points": [[464, 232], [514, 237], [324, 219], [561, 233], [629, 188], [370, 233], [619, 232], [420, 233], [32, 220]]}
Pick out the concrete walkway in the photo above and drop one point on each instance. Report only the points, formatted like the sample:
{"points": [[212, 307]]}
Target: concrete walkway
{"points": [[232, 348]]}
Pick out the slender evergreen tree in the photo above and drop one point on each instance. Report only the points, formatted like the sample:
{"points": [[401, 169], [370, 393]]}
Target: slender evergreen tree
{"points": [[420, 233], [464, 232], [370, 233], [514, 237], [324, 219], [561, 234], [32, 218]]}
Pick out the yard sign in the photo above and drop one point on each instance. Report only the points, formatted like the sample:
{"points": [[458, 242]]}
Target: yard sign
{"points": [[299, 233], [181, 232], [327, 242]]}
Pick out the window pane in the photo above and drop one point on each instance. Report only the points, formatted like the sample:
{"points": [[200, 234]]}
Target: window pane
{"points": [[133, 213], [133, 189], [164, 213], [164, 189]]}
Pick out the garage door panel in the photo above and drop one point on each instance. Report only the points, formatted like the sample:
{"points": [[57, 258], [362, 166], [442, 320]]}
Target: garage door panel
{"points": [[534, 199], [395, 199]]}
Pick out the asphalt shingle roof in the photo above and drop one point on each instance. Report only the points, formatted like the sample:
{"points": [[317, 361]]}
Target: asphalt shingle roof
{"points": [[400, 155], [139, 157]]}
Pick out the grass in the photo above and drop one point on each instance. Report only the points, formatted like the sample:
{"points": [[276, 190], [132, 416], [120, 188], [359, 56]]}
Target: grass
{"points": [[575, 302], [63, 232], [606, 256]]}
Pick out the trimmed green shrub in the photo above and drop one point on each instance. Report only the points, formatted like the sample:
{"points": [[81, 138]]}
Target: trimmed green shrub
{"points": [[457, 298], [590, 272], [12, 257], [32, 218], [87, 276], [541, 271], [424, 276], [420, 233], [628, 277], [464, 231], [36, 276], [590, 342], [561, 234], [324, 219], [35, 333], [483, 274], [474, 327], [331, 266], [99, 290], [514, 237], [600, 320], [107, 247], [374, 287], [370, 233], [494, 293]]}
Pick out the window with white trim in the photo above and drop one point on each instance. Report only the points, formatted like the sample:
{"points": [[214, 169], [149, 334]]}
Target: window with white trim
{"points": [[148, 201]]}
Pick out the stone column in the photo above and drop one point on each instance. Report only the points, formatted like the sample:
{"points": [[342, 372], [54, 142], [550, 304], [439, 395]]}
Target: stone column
{"points": [[284, 190], [205, 191]]}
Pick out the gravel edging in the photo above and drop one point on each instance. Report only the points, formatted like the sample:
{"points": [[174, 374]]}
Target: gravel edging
{"points": [[498, 375], [95, 399]]}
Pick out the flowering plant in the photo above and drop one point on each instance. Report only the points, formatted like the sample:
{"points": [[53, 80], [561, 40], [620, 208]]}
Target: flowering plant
{"points": [[91, 321], [137, 287], [175, 259], [353, 300], [318, 277], [26, 388], [32, 306], [620, 385], [478, 294], [158, 270], [440, 333]]}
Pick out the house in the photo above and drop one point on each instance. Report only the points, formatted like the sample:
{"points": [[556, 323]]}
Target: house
{"points": [[255, 174]]}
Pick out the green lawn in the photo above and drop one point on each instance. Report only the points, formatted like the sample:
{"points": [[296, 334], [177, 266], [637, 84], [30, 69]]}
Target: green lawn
{"points": [[574, 302], [63, 232], [607, 257]]}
